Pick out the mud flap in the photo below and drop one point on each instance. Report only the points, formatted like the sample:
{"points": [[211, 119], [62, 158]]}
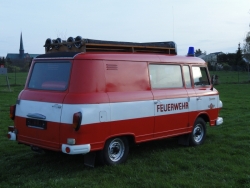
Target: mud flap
{"points": [[184, 140], [89, 159]]}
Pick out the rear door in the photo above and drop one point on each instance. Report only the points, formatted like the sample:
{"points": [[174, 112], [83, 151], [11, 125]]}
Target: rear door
{"points": [[39, 107]]}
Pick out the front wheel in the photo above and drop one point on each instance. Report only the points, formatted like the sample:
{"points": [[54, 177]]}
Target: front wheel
{"points": [[198, 134], [115, 151]]}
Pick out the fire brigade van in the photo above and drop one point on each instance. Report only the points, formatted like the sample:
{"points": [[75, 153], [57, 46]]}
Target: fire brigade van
{"points": [[96, 98]]}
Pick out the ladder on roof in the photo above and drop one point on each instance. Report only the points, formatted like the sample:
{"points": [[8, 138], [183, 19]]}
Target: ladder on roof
{"points": [[79, 44]]}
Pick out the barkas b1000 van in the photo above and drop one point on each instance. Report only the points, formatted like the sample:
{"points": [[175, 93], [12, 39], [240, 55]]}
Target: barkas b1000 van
{"points": [[91, 97]]}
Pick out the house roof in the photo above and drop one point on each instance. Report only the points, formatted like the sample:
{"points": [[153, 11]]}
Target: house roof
{"points": [[216, 53], [12, 56], [17, 56], [244, 59], [202, 56], [34, 55]]}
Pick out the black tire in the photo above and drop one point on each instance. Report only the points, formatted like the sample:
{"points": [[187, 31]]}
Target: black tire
{"points": [[198, 135], [115, 151]]}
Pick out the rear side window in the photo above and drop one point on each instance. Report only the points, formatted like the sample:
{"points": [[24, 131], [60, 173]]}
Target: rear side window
{"points": [[200, 76], [165, 76], [50, 76]]}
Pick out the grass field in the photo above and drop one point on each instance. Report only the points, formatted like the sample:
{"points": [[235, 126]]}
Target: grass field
{"points": [[227, 77], [222, 161]]}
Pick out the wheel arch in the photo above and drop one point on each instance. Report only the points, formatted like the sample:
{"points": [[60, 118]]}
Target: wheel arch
{"points": [[130, 138], [204, 116]]}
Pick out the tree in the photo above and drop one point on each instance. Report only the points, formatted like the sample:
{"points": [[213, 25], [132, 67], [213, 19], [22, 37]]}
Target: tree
{"points": [[246, 46], [246, 49], [226, 67], [238, 56], [198, 52], [2, 61]]}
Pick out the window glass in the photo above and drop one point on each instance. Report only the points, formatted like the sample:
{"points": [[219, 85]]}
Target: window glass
{"points": [[200, 76], [50, 76], [186, 73], [165, 76]]}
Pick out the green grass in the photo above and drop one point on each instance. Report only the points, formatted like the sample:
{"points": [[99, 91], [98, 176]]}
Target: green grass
{"points": [[226, 77], [222, 161], [14, 79]]}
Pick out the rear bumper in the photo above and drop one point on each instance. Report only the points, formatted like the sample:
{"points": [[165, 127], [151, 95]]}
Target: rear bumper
{"points": [[68, 149], [76, 149], [219, 121]]}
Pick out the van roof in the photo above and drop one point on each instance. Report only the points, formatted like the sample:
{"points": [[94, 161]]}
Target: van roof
{"points": [[123, 57]]}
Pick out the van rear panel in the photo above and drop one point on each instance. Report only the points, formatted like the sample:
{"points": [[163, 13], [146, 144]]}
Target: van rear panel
{"points": [[33, 135], [40, 104]]}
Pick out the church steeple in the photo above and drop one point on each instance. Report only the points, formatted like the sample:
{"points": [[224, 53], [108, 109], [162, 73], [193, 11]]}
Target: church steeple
{"points": [[21, 50]]}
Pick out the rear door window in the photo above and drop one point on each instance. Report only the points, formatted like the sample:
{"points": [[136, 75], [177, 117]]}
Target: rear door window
{"points": [[50, 76]]}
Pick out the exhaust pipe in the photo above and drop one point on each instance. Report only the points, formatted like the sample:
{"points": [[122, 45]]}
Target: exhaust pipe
{"points": [[37, 149]]}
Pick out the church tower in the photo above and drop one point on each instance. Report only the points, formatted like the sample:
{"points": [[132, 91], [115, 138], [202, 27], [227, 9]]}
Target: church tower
{"points": [[21, 50]]}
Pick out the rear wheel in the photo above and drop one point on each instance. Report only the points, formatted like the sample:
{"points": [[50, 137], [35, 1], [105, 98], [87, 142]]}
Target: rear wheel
{"points": [[198, 134], [115, 151]]}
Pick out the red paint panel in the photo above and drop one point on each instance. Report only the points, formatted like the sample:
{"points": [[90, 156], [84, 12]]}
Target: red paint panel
{"points": [[86, 98], [140, 57], [87, 77], [205, 91], [141, 128], [96, 134], [127, 76], [42, 96], [130, 96], [48, 138], [170, 125], [167, 123], [169, 93], [181, 59], [117, 56]]}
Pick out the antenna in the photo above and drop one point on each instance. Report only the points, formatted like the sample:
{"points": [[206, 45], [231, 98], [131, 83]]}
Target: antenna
{"points": [[173, 21]]}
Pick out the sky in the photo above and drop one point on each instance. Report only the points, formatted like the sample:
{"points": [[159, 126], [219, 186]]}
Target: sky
{"points": [[208, 25]]}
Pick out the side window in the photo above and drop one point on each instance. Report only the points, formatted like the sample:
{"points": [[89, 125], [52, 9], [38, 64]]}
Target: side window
{"points": [[200, 76], [186, 73], [165, 76]]}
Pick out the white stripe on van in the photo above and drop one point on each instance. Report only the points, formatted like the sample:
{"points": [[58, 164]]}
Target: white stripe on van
{"points": [[95, 113]]}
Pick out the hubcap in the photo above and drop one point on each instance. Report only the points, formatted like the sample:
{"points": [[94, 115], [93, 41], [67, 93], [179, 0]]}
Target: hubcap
{"points": [[198, 133], [116, 150]]}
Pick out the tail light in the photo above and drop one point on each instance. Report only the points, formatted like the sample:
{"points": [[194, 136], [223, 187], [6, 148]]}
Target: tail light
{"points": [[77, 119], [12, 112]]}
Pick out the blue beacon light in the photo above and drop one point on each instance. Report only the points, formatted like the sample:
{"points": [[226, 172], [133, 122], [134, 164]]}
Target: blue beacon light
{"points": [[190, 51]]}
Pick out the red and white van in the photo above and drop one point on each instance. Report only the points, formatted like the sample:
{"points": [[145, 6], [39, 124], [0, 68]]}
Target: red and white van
{"points": [[84, 95]]}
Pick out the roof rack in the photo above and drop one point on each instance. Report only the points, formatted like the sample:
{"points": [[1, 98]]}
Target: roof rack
{"points": [[79, 44]]}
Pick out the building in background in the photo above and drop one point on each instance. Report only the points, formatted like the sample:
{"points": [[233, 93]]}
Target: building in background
{"points": [[212, 58], [20, 59]]}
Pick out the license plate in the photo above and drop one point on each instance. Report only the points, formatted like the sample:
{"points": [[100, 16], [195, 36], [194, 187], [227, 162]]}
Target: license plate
{"points": [[40, 124]]}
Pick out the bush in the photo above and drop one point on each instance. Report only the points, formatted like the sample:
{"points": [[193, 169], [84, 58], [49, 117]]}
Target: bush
{"points": [[226, 67], [11, 68]]}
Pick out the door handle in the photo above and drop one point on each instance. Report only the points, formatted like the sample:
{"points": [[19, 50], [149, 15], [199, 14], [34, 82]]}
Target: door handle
{"points": [[57, 106], [36, 115], [198, 98], [157, 101]]}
